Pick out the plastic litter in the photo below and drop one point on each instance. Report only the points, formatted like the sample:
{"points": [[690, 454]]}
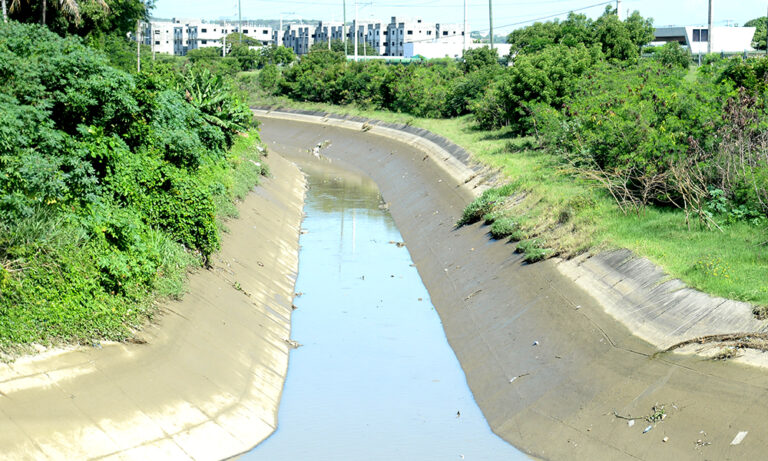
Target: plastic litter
{"points": [[739, 437], [645, 431]]}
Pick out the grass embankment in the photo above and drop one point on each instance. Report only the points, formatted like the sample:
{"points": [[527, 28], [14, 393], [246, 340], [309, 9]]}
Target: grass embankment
{"points": [[555, 212]]}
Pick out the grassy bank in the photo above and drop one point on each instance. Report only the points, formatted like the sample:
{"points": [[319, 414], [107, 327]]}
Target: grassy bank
{"points": [[556, 212]]}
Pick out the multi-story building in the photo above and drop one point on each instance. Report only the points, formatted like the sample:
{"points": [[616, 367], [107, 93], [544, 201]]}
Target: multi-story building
{"points": [[407, 31], [724, 39], [377, 37], [300, 37], [178, 36], [450, 33], [326, 32]]}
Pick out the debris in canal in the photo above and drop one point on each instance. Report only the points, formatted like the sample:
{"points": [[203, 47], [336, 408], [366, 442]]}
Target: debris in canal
{"points": [[293, 344], [739, 437]]}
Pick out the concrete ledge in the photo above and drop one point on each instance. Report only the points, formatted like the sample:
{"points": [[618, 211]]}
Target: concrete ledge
{"points": [[207, 384], [660, 310]]}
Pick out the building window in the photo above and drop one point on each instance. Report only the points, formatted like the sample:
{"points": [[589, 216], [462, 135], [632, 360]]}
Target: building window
{"points": [[410, 32], [265, 32], [157, 42], [245, 31], [203, 30], [429, 32], [700, 35], [204, 42], [445, 32]]}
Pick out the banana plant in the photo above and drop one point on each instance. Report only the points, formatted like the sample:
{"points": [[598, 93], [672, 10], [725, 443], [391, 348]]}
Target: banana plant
{"points": [[214, 98]]}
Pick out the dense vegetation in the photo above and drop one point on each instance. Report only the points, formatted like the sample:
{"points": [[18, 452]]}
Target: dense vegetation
{"points": [[111, 184], [581, 119]]}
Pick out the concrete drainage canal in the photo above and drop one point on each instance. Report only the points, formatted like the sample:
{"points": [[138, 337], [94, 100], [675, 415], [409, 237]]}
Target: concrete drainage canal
{"points": [[374, 376]]}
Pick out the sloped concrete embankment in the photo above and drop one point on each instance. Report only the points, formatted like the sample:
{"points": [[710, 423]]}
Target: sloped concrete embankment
{"points": [[549, 361], [206, 385]]}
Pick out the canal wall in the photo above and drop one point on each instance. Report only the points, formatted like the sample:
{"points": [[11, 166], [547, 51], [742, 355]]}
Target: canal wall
{"points": [[207, 383], [558, 354]]}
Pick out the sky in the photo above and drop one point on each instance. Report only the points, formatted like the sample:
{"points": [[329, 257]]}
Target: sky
{"points": [[507, 14]]}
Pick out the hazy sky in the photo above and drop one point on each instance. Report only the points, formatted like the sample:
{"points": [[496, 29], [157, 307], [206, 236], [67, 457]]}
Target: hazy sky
{"points": [[508, 14]]}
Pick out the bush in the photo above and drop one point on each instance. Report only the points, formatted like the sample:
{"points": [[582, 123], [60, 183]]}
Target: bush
{"points": [[546, 77], [105, 179], [674, 55]]}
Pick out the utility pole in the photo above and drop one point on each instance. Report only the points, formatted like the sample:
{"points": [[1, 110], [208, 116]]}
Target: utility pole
{"points": [[465, 26], [138, 46], [618, 9], [356, 28], [490, 19], [5, 12], [709, 30], [766, 34], [240, 20], [224, 46], [344, 28]]}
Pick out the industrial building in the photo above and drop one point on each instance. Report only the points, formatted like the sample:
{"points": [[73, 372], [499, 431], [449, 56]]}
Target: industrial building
{"points": [[727, 40]]}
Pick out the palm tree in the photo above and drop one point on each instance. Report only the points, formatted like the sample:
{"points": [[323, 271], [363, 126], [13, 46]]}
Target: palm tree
{"points": [[68, 7]]}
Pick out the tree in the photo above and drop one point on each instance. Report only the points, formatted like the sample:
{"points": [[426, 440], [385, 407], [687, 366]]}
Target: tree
{"points": [[479, 58], [674, 55], [535, 37], [277, 55], [761, 24], [241, 39], [69, 8], [338, 46], [86, 18]]}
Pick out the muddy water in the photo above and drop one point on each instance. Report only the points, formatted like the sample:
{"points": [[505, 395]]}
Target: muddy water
{"points": [[375, 377]]}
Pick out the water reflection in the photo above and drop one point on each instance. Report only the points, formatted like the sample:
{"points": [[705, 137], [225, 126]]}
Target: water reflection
{"points": [[375, 378]]}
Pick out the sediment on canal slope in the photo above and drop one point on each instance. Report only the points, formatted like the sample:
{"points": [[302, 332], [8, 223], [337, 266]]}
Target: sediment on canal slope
{"points": [[549, 365], [207, 383]]}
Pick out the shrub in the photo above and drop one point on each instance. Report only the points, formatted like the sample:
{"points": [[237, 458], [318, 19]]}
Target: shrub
{"points": [[485, 204], [674, 55]]}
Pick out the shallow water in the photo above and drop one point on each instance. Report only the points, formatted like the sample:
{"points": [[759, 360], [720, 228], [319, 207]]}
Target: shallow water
{"points": [[375, 378]]}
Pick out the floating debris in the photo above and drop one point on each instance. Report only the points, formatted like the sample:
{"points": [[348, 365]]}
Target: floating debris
{"points": [[739, 437], [293, 344], [665, 439], [647, 429], [535, 343], [631, 422]]}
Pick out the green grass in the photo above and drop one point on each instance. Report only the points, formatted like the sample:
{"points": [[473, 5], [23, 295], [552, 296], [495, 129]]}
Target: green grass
{"points": [[568, 215]]}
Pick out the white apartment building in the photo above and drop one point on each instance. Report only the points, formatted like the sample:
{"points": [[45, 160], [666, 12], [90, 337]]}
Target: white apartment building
{"points": [[367, 36], [178, 36], [326, 32], [300, 37], [450, 33], [377, 37], [724, 39], [407, 31]]}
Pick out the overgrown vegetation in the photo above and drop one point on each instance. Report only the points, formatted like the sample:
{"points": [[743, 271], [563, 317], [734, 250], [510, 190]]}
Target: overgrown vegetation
{"points": [[111, 185], [602, 148]]}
